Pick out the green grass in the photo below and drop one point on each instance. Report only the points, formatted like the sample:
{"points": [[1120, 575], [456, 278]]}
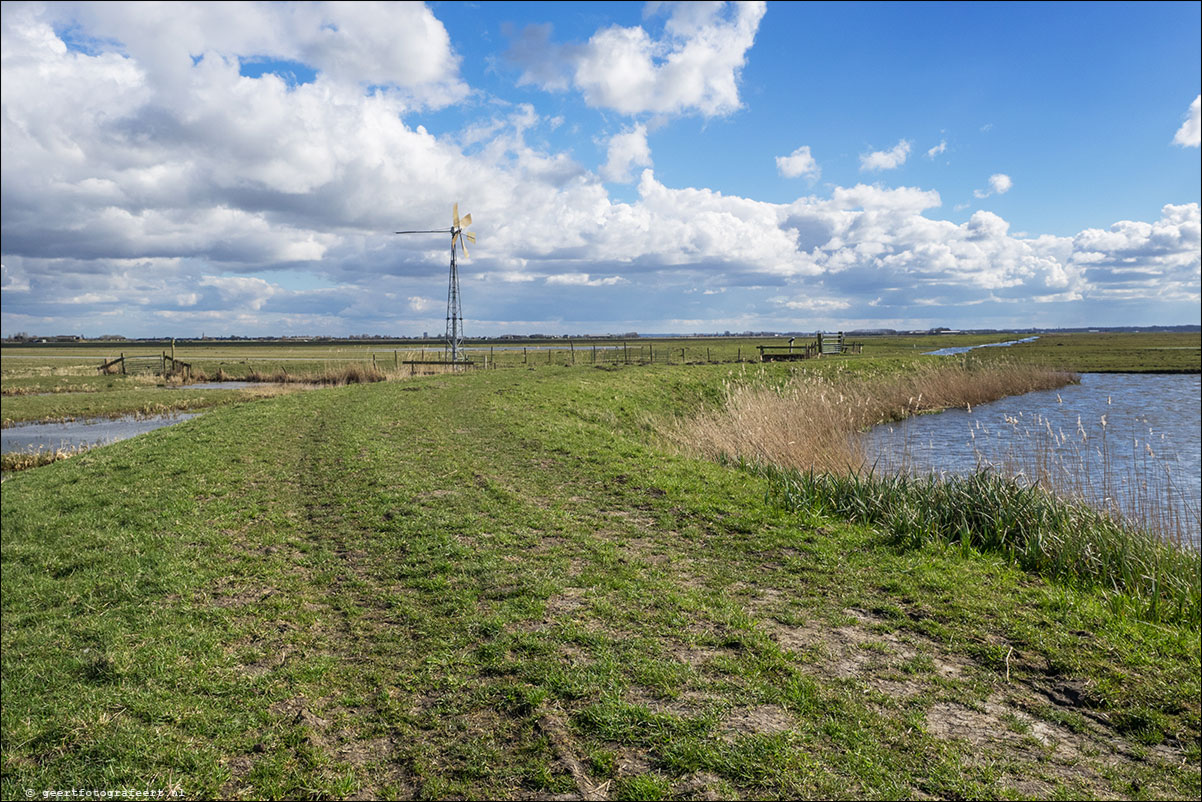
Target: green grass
{"points": [[1065, 541], [465, 586], [132, 401]]}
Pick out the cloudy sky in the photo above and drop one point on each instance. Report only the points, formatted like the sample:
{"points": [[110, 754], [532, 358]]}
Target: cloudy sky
{"points": [[240, 168]]}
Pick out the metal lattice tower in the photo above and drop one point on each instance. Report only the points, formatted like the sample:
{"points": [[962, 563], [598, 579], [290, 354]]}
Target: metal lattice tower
{"points": [[459, 239]]}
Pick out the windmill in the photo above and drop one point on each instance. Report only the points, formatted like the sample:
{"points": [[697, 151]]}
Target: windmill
{"points": [[454, 309]]}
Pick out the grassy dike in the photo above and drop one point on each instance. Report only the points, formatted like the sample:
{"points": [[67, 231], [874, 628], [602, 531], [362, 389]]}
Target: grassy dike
{"points": [[503, 585]]}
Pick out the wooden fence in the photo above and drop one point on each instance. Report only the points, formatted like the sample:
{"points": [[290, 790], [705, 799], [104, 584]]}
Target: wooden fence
{"points": [[161, 365]]}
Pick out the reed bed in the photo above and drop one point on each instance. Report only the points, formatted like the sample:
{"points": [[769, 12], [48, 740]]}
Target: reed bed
{"points": [[24, 460], [812, 421], [804, 437], [1063, 540], [1120, 474], [355, 373]]}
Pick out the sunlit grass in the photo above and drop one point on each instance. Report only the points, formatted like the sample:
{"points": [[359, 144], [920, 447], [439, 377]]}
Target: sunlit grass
{"points": [[804, 436]]}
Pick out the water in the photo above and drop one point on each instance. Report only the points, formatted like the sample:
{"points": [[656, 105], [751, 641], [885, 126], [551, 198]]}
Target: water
{"points": [[217, 386], [963, 349], [81, 433], [1129, 442]]}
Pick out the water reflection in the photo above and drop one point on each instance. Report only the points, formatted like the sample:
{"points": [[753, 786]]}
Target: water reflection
{"points": [[964, 349], [1129, 442], [81, 433]]}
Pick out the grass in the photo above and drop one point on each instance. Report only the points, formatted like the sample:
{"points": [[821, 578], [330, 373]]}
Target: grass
{"points": [[1066, 541], [500, 585]]}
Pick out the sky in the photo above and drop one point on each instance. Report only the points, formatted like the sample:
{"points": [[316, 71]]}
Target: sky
{"points": [[232, 168]]}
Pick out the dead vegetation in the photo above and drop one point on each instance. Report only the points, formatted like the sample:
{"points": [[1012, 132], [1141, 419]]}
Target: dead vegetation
{"points": [[812, 422]]}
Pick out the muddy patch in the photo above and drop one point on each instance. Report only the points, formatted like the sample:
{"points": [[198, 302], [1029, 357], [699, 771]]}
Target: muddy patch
{"points": [[701, 785], [551, 723], [761, 720], [896, 663]]}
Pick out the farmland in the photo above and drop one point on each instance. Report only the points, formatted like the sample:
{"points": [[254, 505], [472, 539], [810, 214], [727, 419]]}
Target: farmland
{"points": [[514, 583]]}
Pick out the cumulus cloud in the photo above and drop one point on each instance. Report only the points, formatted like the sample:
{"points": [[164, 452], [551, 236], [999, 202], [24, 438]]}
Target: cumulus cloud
{"points": [[693, 67], [126, 202], [1189, 135], [584, 280], [886, 159], [799, 163], [999, 184], [935, 151], [626, 150]]}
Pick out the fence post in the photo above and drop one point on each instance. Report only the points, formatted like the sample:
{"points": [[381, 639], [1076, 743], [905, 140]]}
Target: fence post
{"points": [[122, 363], [396, 359], [707, 354], [524, 355], [164, 368], [594, 353], [572, 346], [626, 352]]}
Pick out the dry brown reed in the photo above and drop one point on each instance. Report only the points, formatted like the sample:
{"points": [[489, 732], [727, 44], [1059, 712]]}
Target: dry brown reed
{"points": [[813, 420], [24, 460]]}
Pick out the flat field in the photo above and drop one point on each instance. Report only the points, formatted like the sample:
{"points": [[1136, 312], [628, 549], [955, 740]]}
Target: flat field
{"points": [[507, 584], [48, 381]]}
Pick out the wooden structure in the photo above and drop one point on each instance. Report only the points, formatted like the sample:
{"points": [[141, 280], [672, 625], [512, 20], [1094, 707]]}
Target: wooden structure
{"points": [[162, 365], [824, 344]]}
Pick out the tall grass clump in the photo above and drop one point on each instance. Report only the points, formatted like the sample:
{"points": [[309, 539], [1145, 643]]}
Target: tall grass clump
{"points": [[1066, 541], [812, 422], [24, 460]]}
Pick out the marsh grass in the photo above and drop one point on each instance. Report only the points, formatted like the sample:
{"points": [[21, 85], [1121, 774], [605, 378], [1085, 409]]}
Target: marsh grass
{"points": [[1064, 540], [804, 437], [813, 420], [1120, 474], [24, 460], [335, 376]]}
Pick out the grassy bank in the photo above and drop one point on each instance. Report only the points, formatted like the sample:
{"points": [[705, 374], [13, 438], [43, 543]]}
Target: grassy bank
{"points": [[803, 436], [1064, 540], [497, 585]]}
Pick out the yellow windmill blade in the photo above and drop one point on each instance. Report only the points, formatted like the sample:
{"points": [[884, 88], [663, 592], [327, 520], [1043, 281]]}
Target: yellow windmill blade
{"points": [[471, 235], [463, 247], [455, 215], [466, 221]]}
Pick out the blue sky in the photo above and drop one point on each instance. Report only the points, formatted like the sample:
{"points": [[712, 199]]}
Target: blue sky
{"points": [[239, 168]]}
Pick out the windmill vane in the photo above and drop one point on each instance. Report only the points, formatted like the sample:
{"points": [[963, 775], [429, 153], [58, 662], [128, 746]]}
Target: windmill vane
{"points": [[459, 240]]}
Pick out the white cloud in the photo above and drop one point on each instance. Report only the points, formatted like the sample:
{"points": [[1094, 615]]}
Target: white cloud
{"points": [[626, 150], [935, 151], [240, 290], [999, 184], [823, 305], [694, 67], [799, 163], [584, 280], [886, 159], [171, 201], [1189, 135]]}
